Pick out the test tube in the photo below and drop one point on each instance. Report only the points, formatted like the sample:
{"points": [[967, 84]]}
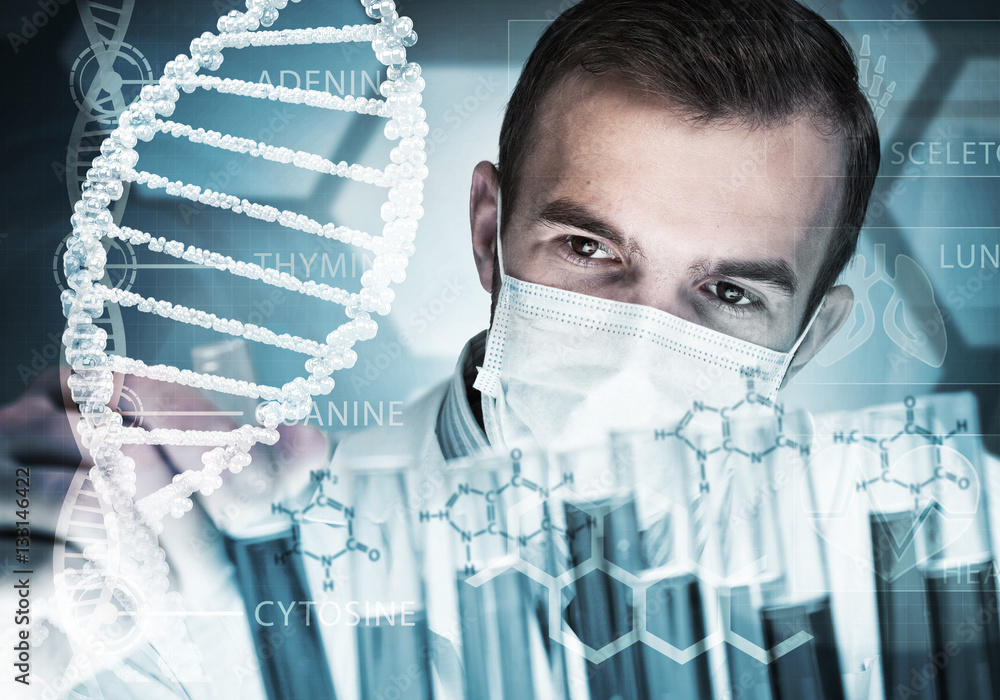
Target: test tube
{"points": [[598, 611], [503, 613], [676, 606], [292, 661], [901, 602], [394, 648], [900, 536], [957, 565], [772, 559], [261, 542], [685, 532]]}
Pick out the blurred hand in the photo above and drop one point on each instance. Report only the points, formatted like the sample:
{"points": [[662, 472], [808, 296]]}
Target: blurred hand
{"points": [[38, 431]]}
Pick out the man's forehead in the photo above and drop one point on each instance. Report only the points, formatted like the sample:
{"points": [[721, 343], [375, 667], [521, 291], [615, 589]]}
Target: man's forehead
{"points": [[595, 129]]}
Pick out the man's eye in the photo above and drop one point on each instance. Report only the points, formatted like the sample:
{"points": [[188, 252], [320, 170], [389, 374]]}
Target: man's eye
{"points": [[732, 294], [589, 248]]}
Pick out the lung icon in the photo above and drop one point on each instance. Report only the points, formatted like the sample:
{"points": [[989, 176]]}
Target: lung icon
{"points": [[911, 319]]}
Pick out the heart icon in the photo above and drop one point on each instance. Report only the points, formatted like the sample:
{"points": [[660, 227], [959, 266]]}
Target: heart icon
{"points": [[918, 505]]}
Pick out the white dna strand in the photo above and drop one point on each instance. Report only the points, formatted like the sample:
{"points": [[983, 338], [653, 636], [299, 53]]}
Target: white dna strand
{"points": [[104, 79], [131, 565]]}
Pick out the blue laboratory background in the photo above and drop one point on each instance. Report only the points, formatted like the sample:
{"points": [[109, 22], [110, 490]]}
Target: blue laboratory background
{"points": [[935, 204]]}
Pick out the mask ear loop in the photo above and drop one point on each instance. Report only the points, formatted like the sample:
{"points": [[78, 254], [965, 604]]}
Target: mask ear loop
{"points": [[499, 246], [488, 378], [801, 338]]}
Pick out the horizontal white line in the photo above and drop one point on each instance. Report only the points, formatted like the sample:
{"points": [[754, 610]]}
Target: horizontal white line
{"points": [[181, 413], [200, 613], [153, 266], [942, 228]]}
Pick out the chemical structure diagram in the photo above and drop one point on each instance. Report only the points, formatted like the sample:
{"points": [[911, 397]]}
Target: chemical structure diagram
{"points": [[467, 498], [923, 435], [503, 522], [513, 512], [723, 435], [345, 514], [919, 458]]}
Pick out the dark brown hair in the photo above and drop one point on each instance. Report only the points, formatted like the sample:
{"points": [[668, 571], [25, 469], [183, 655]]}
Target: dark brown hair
{"points": [[759, 63]]}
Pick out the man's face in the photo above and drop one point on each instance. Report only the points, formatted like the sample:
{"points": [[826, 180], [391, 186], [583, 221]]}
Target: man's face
{"points": [[718, 224]]}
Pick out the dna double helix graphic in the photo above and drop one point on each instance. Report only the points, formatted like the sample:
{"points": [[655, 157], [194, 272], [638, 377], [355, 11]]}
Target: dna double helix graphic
{"points": [[121, 572]]}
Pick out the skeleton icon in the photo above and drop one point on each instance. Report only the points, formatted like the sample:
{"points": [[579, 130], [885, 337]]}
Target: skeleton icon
{"points": [[878, 99]]}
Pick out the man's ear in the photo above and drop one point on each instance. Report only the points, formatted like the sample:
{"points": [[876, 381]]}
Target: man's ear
{"points": [[837, 307], [483, 217]]}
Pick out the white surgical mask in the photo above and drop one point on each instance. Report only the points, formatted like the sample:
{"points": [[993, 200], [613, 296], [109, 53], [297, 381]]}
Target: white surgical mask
{"points": [[563, 369]]}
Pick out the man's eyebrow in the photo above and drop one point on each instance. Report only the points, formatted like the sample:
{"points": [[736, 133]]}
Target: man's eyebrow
{"points": [[774, 272], [565, 212]]}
